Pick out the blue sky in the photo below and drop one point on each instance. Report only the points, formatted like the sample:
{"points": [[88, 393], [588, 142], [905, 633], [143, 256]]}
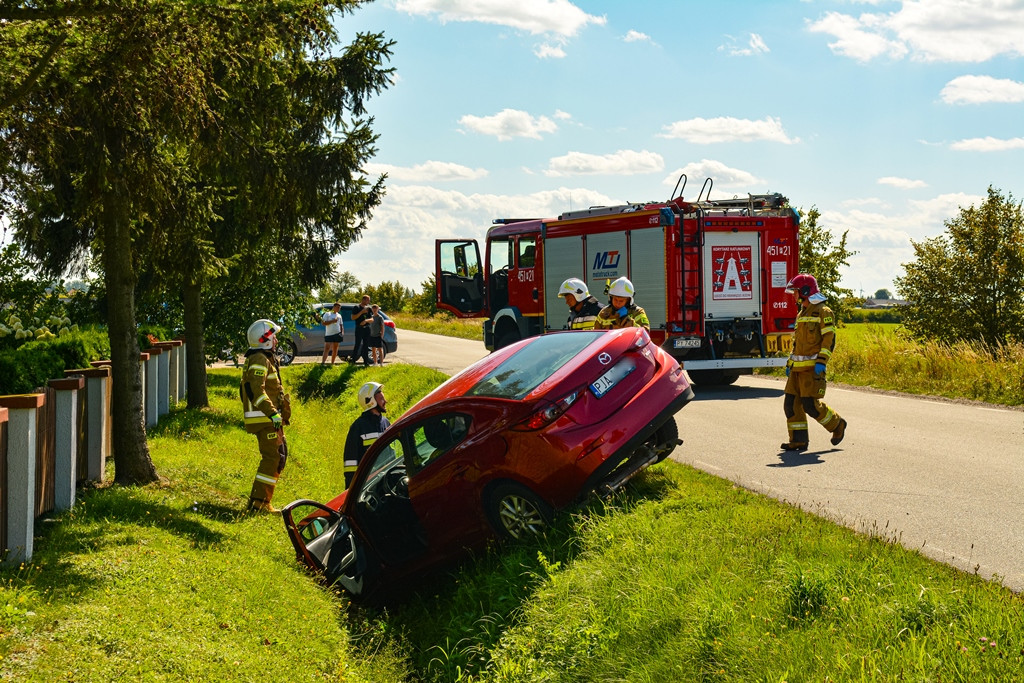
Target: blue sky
{"points": [[887, 116]]}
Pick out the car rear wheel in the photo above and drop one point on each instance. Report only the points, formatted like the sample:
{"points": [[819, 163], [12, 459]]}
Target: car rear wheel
{"points": [[516, 512], [666, 439]]}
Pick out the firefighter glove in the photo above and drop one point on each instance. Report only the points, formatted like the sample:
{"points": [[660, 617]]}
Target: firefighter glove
{"points": [[622, 312], [789, 367], [819, 368], [276, 419]]}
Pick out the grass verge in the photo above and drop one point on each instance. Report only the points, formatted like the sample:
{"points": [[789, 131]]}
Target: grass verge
{"points": [[442, 323], [682, 577]]}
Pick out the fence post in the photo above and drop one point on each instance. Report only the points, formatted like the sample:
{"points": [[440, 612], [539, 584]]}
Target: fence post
{"points": [[98, 419], [147, 360], [163, 368], [183, 371], [21, 474], [66, 440], [173, 373]]}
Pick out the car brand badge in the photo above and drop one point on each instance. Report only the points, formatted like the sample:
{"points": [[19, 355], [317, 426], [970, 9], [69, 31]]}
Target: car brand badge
{"points": [[604, 358]]}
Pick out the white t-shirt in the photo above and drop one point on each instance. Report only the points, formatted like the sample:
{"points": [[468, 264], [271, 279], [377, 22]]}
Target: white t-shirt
{"points": [[332, 321]]}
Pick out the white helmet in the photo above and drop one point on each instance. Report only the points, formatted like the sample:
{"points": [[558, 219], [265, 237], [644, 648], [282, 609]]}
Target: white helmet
{"points": [[261, 334], [621, 287], [366, 396], [576, 287]]}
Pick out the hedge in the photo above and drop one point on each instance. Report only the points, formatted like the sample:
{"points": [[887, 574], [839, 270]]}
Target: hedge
{"points": [[29, 366]]}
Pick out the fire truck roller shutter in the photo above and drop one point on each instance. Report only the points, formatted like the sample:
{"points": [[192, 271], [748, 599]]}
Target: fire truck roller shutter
{"points": [[647, 272], [563, 258]]}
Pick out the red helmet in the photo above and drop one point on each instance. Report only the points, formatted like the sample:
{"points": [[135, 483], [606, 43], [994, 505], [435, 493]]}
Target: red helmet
{"points": [[803, 284]]}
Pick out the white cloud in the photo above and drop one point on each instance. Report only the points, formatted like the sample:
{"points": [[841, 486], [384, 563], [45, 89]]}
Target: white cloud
{"points": [[399, 242], [932, 31], [980, 89], [987, 144], [562, 115], [510, 123], [428, 171], [633, 36], [555, 17], [728, 129], [883, 239], [902, 183], [755, 46], [722, 176], [622, 162], [549, 51]]}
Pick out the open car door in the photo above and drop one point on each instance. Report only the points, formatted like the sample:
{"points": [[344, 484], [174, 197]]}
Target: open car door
{"points": [[325, 542], [459, 278]]}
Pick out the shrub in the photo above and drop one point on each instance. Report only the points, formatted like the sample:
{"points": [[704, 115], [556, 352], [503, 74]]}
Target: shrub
{"points": [[31, 365]]}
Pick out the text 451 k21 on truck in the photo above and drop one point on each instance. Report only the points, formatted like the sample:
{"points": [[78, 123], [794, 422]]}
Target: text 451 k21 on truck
{"points": [[711, 275]]}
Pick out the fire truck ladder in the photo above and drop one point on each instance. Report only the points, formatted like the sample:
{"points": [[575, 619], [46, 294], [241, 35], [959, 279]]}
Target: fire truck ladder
{"points": [[692, 265]]}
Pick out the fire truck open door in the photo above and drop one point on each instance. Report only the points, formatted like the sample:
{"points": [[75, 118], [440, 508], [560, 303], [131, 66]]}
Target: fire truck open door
{"points": [[732, 275], [458, 277]]}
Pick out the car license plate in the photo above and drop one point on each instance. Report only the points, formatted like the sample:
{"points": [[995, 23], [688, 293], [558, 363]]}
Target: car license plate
{"points": [[609, 379], [686, 343]]}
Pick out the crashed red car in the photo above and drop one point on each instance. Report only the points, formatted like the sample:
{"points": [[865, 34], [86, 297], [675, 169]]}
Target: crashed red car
{"points": [[494, 450]]}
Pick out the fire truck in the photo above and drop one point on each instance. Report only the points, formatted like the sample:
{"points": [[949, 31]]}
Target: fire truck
{"points": [[711, 276]]}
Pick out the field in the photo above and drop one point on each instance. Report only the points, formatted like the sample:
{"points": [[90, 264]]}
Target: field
{"points": [[682, 577]]}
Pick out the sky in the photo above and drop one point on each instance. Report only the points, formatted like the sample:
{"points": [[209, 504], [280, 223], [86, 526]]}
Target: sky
{"points": [[886, 116]]}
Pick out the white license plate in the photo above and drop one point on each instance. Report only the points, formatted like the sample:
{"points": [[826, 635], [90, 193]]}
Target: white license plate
{"points": [[685, 343], [609, 379]]}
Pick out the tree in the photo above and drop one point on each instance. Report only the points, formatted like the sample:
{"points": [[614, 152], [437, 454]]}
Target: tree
{"points": [[823, 259], [883, 294], [968, 284], [113, 139], [342, 287], [425, 302], [390, 296]]}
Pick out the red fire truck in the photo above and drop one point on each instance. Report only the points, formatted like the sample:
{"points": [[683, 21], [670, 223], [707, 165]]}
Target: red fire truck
{"points": [[710, 274]]}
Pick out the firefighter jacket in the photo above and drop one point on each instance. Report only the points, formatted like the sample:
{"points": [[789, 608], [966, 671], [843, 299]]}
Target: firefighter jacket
{"points": [[814, 337], [364, 431], [583, 316], [609, 318], [261, 390]]}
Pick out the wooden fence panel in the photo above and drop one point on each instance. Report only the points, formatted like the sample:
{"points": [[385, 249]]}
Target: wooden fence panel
{"points": [[46, 452], [3, 479]]}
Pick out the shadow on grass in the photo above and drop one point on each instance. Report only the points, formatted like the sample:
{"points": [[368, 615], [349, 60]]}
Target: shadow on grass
{"points": [[187, 420], [454, 616], [320, 381]]}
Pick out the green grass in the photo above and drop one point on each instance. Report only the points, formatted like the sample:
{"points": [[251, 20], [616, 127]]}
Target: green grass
{"points": [[683, 577], [442, 323]]}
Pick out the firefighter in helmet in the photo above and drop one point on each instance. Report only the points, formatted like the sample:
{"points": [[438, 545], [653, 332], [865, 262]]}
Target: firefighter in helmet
{"points": [[367, 428], [583, 308], [622, 311], [814, 338], [266, 410]]}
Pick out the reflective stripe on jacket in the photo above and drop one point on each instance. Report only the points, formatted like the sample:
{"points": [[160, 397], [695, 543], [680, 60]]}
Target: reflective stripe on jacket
{"points": [[584, 315], [609, 318], [814, 337], [367, 428], [260, 390]]}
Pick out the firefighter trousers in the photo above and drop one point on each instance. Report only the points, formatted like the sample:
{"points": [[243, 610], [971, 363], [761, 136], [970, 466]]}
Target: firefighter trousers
{"points": [[804, 391], [273, 455]]}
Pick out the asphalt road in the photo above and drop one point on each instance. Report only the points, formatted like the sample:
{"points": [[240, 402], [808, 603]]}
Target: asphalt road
{"points": [[940, 477]]}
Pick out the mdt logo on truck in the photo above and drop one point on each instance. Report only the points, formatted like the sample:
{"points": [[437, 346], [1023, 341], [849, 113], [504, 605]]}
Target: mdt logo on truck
{"points": [[711, 275], [606, 264]]}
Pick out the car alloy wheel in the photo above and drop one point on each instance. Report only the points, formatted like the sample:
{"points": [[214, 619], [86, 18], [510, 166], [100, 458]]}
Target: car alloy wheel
{"points": [[517, 513]]}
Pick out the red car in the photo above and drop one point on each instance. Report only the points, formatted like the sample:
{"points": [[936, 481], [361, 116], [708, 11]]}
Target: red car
{"points": [[494, 450]]}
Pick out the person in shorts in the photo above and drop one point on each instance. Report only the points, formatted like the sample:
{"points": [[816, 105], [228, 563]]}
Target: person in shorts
{"points": [[376, 336], [332, 333]]}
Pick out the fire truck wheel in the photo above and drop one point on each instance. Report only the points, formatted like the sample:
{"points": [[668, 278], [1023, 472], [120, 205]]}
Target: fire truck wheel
{"points": [[510, 337]]}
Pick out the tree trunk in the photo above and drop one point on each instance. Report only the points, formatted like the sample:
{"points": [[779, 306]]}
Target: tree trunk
{"points": [[132, 464], [195, 362]]}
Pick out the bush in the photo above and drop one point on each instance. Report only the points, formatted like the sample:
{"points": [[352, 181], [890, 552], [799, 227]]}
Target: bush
{"points": [[873, 315], [31, 365]]}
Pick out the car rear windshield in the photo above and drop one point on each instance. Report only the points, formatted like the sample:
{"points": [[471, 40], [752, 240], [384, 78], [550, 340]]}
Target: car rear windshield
{"points": [[524, 370]]}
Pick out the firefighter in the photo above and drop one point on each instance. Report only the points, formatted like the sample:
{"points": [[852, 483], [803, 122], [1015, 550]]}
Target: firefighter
{"points": [[583, 308], [814, 339], [367, 428], [622, 311], [266, 410]]}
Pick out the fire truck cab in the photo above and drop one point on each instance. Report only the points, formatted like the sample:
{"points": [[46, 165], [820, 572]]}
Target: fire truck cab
{"points": [[711, 276]]}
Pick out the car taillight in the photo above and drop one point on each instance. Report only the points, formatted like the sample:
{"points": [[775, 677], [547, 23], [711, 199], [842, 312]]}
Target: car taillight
{"points": [[548, 414], [389, 323]]}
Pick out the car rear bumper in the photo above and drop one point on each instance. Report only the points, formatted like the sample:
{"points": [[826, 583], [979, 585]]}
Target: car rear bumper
{"points": [[610, 470]]}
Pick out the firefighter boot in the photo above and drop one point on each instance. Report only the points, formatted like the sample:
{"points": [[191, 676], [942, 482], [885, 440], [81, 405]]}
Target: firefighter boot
{"points": [[839, 432], [794, 446], [262, 506]]}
